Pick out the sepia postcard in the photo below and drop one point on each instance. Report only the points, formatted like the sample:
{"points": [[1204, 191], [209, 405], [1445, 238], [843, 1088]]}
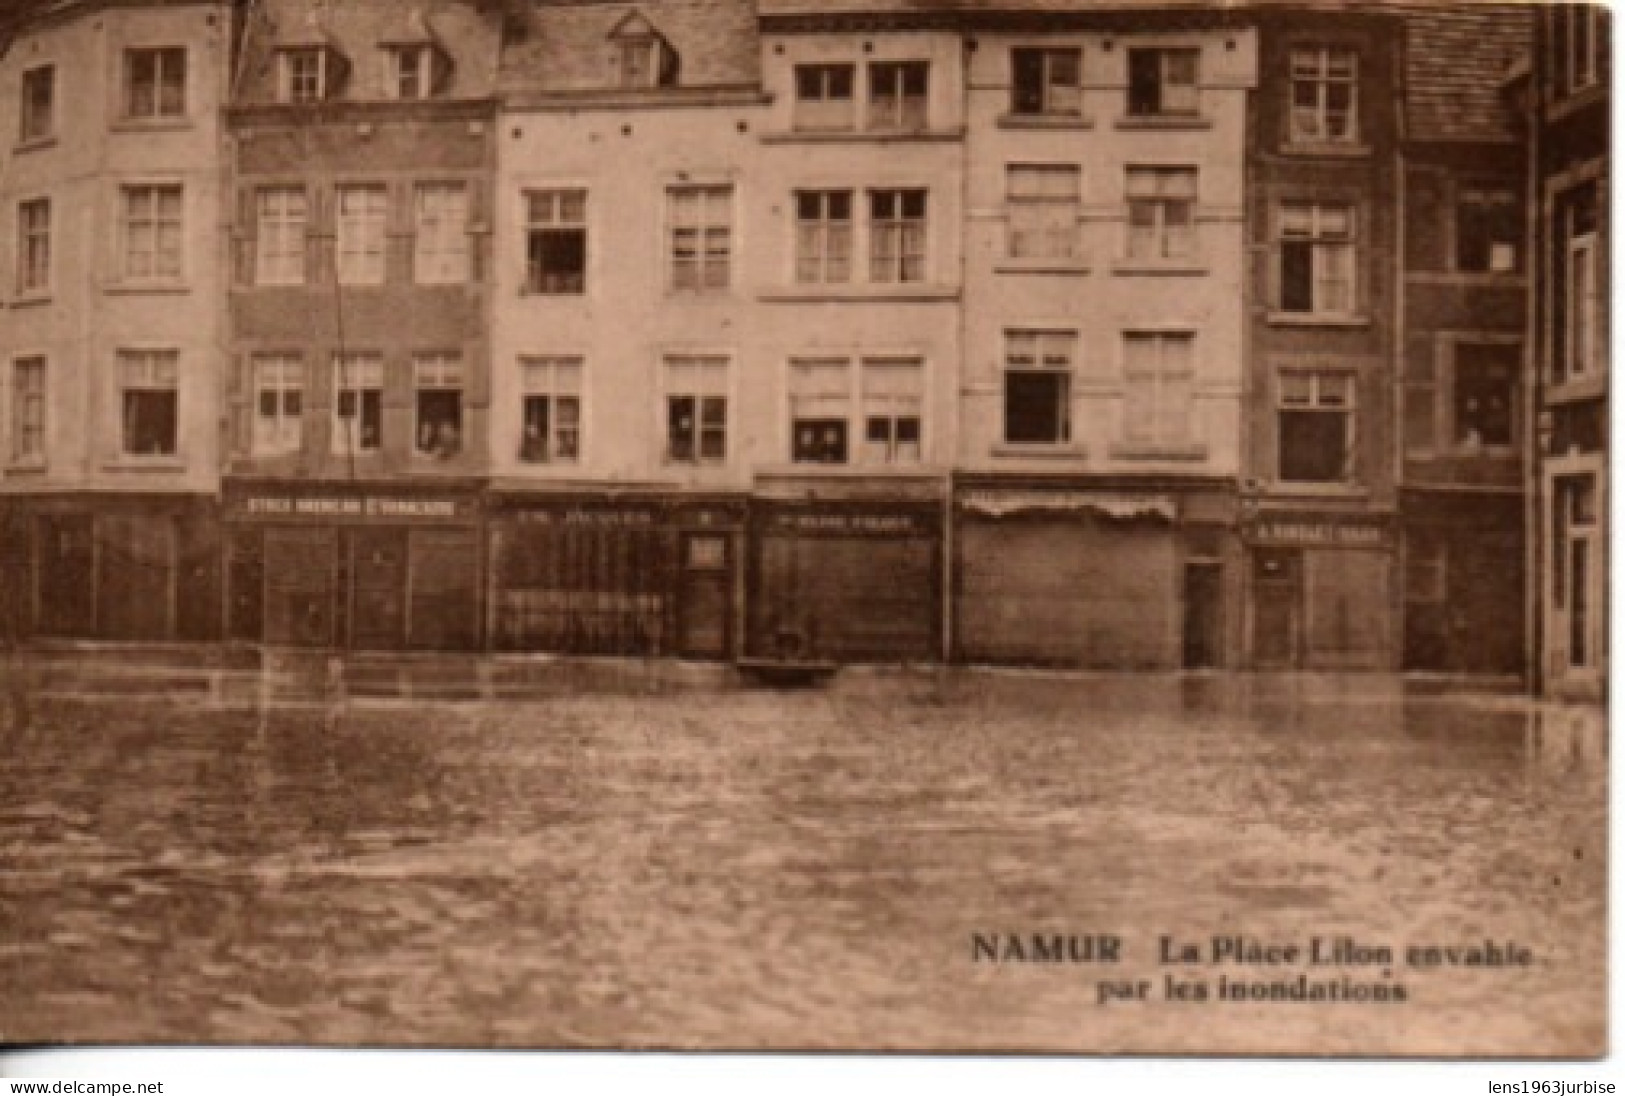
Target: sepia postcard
{"points": [[1064, 527]]}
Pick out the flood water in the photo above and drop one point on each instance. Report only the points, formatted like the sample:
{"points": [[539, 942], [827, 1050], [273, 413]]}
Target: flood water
{"points": [[752, 869]]}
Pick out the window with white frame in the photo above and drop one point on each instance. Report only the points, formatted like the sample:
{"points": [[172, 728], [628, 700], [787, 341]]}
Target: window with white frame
{"points": [[1046, 81], [279, 404], [1161, 213], [1159, 369], [1315, 248], [34, 246], [892, 400], [1315, 419], [820, 410], [1325, 94], [551, 411], [897, 95], [1579, 304], [155, 83], [696, 388], [1038, 368], [1162, 82], [441, 253], [281, 213], [28, 410], [896, 236], [358, 402], [1043, 203], [437, 381], [700, 237], [556, 241], [1484, 388], [362, 214], [1583, 25], [149, 394], [823, 236], [37, 119], [824, 98], [303, 74], [152, 232], [417, 70]]}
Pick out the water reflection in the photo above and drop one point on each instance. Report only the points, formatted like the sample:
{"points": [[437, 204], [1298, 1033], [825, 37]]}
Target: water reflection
{"points": [[654, 864]]}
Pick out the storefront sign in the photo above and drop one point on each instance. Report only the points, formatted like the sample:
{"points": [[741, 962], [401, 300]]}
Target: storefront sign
{"points": [[1309, 530], [381, 508], [998, 503], [851, 524], [595, 519]]}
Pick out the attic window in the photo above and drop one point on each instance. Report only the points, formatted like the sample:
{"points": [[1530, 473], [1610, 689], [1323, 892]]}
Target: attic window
{"points": [[645, 58], [420, 70], [310, 74]]}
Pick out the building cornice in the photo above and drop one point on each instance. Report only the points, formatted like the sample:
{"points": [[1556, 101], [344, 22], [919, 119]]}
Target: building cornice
{"points": [[341, 111]]}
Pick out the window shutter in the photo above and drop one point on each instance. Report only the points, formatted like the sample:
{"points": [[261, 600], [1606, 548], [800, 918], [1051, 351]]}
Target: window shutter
{"points": [[440, 69], [247, 235]]}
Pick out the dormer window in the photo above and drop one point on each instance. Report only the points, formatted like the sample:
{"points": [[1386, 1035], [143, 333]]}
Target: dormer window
{"points": [[310, 74], [419, 67], [644, 58], [412, 76]]}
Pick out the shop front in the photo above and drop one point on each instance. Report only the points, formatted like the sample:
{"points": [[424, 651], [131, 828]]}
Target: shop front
{"points": [[1062, 575], [1464, 574], [603, 574], [114, 566], [846, 579], [382, 567], [1321, 591]]}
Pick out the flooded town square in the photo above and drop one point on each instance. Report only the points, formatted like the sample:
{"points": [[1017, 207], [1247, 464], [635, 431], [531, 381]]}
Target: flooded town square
{"points": [[946, 860]]}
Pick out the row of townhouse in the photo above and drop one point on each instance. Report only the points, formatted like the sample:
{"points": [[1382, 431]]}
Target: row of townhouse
{"points": [[1117, 335]]}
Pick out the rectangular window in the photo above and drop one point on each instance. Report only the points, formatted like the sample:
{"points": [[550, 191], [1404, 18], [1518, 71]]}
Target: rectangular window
{"points": [[824, 99], [362, 215], [1158, 367], [438, 382], [1583, 39], [1161, 213], [1578, 303], [440, 252], [556, 241], [892, 399], [412, 74], [358, 403], [281, 214], [1044, 205], [1325, 94], [155, 83], [34, 246], [823, 236], [302, 74], [149, 389], [640, 62], [1038, 386], [897, 236], [1316, 250], [1315, 414], [279, 404], [820, 409], [1489, 230], [1046, 81], [700, 220], [897, 95], [152, 233], [1162, 82], [551, 410], [1485, 394], [38, 109], [28, 410], [696, 409]]}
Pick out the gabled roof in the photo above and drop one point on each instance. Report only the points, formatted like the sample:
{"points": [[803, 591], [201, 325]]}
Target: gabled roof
{"points": [[1457, 63]]}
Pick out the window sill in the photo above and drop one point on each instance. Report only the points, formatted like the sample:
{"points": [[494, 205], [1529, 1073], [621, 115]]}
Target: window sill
{"points": [[846, 469], [1041, 266], [1194, 451], [123, 289], [1164, 122], [1472, 279], [1316, 490], [1576, 389], [1342, 150], [27, 466], [840, 136], [544, 465], [1141, 268], [1040, 450], [30, 300], [165, 124], [1310, 319], [132, 463], [35, 144], [1045, 121], [911, 291], [527, 293]]}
